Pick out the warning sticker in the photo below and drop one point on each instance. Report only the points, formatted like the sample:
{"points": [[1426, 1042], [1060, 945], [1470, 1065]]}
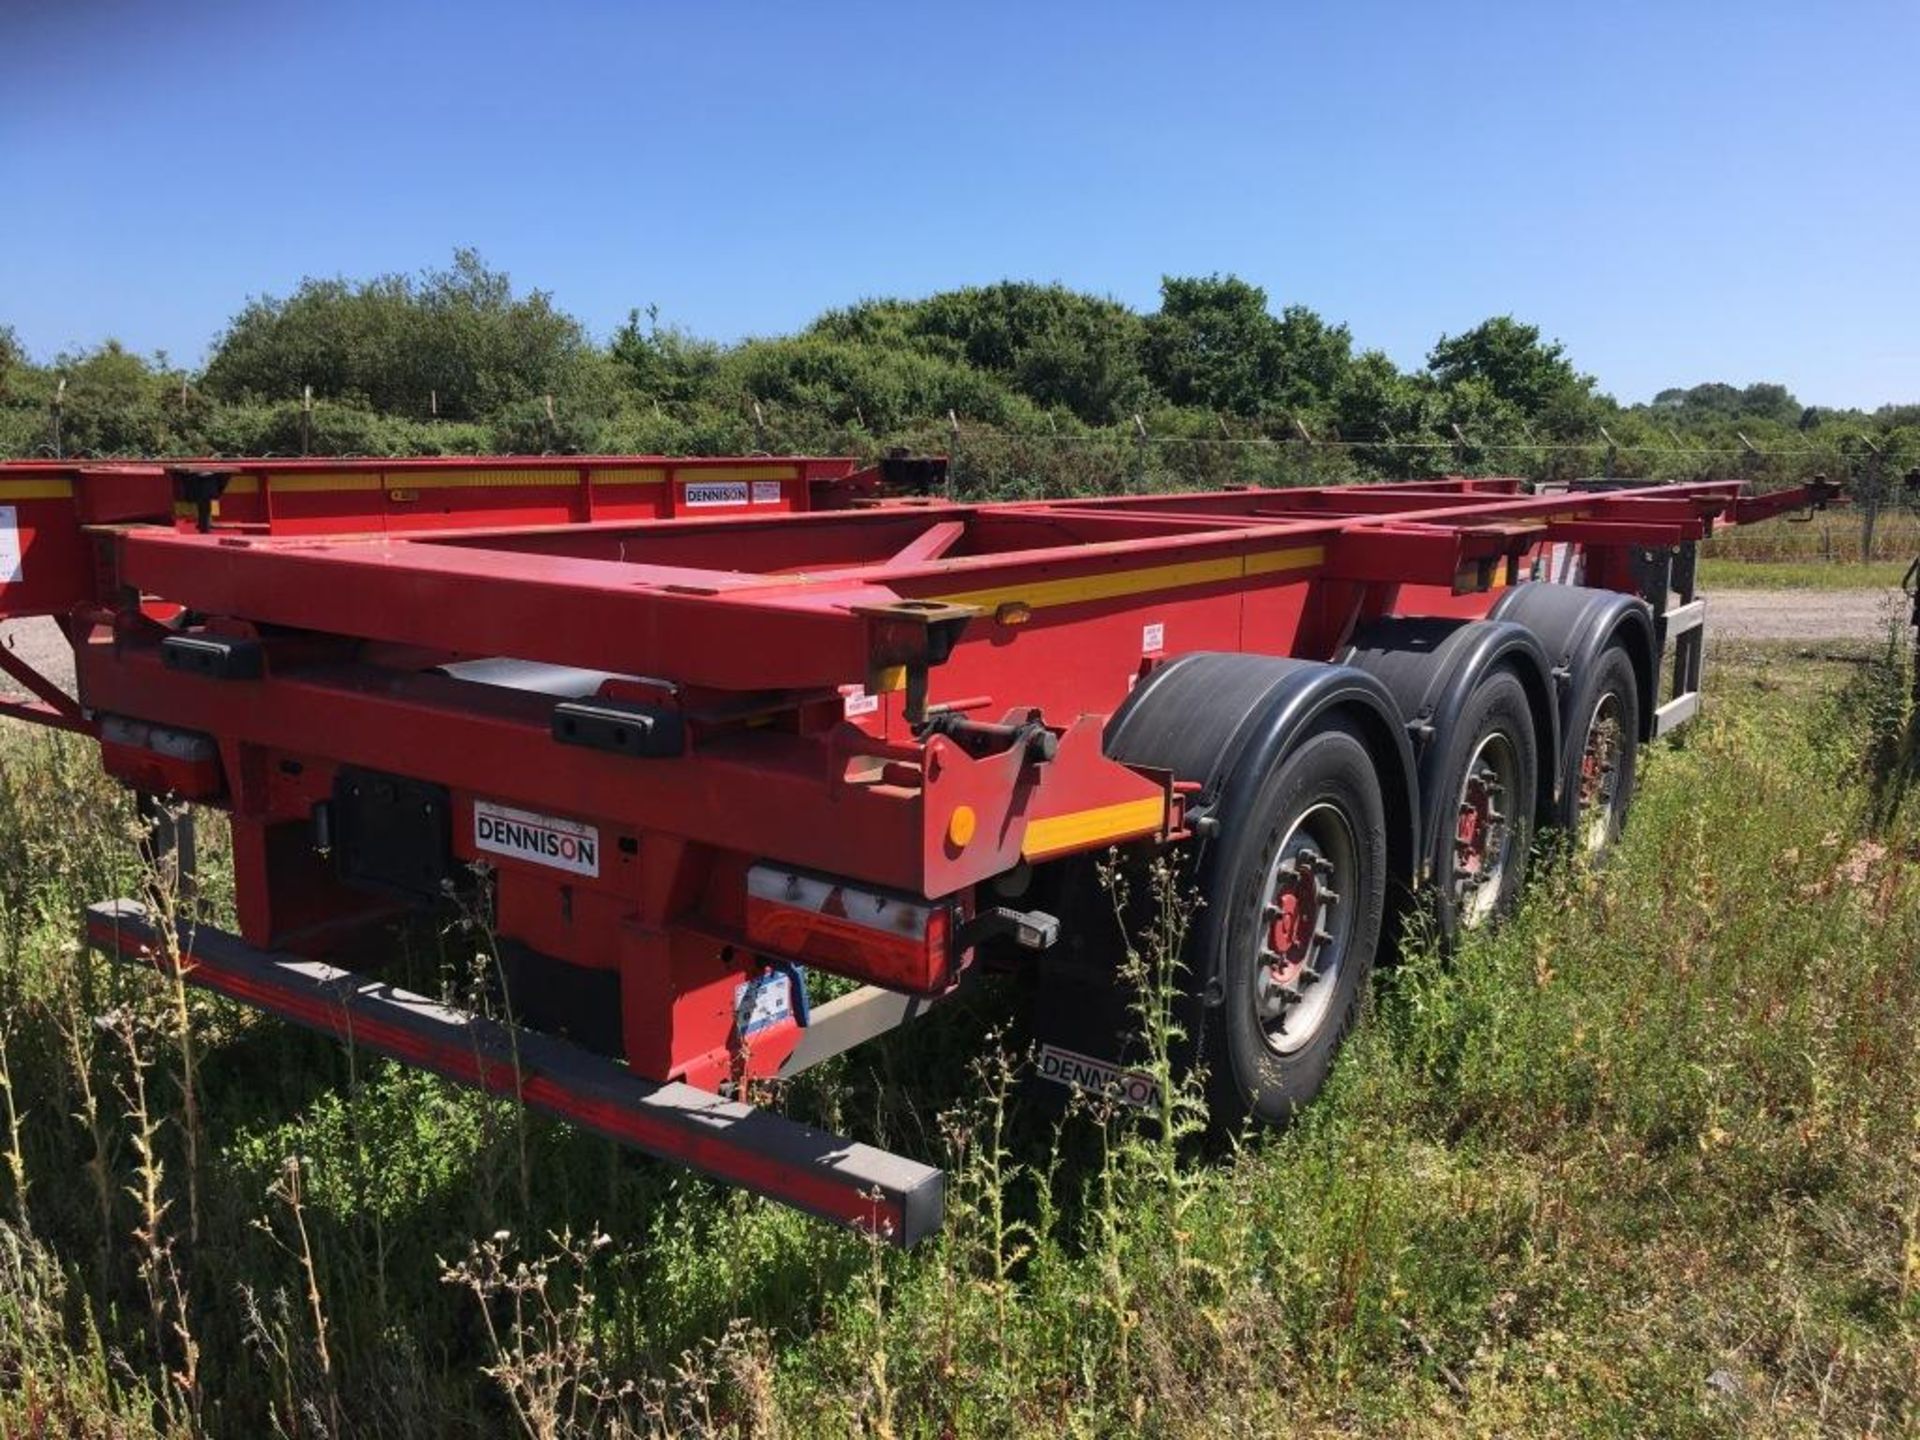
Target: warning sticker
{"points": [[1153, 639], [763, 1002], [858, 702], [10, 568], [717, 492], [543, 839], [766, 492]]}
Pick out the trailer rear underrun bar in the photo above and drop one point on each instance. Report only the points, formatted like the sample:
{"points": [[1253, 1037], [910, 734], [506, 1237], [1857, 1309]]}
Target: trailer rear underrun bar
{"points": [[695, 729]]}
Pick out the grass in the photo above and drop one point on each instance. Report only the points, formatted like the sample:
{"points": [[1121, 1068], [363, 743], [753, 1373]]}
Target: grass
{"points": [[1828, 552], [1716, 574], [1833, 537], [1647, 1161]]}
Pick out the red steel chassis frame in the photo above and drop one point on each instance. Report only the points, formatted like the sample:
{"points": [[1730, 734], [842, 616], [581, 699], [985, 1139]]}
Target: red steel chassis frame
{"points": [[803, 653]]}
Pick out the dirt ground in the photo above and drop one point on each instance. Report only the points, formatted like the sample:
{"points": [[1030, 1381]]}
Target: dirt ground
{"points": [[1802, 614], [41, 645], [1731, 615]]}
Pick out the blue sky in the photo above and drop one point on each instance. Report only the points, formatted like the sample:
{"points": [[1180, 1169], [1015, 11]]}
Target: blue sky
{"points": [[1679, 192]]}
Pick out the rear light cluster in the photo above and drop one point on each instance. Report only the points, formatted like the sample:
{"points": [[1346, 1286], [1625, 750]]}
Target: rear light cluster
{"points": [[160, 760], [898, 941]]}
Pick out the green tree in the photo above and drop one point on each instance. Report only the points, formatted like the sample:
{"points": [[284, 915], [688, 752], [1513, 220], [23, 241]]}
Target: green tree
{"points": [[1213, 344], [1517, 368], [112, 404], [1314, 359], [876, 390], [12, 355], [1059, 348], [664, 363], [1379, 409], [458, 341]]}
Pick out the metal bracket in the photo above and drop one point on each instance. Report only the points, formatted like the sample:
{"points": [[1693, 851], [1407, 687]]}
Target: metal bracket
{"points": [[647, 732], [1029, 929], [217, 657]]}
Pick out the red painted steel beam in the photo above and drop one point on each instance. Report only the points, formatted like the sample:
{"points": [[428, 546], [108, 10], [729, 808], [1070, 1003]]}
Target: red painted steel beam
{"points": [[848, 1183], [497, 744], [690, 626]]}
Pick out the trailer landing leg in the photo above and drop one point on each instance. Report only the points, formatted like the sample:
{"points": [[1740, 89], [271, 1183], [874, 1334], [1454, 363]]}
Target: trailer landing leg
{"points": [[850, 1184]]}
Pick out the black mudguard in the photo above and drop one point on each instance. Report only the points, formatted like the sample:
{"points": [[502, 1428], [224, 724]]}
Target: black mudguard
{"points": [[1224, 719], [1221, 721], [1575, 623], [1431, 667]]}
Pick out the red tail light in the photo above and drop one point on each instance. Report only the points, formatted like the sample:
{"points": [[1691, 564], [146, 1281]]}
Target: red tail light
{"points": [[899, 941]]}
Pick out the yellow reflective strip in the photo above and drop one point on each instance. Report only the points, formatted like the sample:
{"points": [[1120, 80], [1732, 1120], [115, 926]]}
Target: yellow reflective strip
{"points": [[36, 489], [653, 475], [1083, 828], [694, 475], [1277, 562], [477, 479], [243, 485], [1134, 582], [326, 480]]}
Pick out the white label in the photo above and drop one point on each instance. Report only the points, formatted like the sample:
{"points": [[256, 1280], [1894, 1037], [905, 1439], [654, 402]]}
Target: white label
{"points": [[1098, 1077], [859, 702], [762, 1002], [1153, 639], [766, 492], [717, 492], [543, 839], [10, 567]]}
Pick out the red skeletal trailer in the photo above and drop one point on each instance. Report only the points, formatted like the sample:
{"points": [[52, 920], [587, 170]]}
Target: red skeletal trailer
{"points": [[711, 724]]}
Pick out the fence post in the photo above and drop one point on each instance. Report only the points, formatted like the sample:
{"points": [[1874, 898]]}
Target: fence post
{"points": [[306, 419], [58, 405], [1868, 490], [953, 449]]}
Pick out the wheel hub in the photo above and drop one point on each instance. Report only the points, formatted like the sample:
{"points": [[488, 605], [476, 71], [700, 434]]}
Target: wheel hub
{"points": [[1480, 835], [1599, 771], [1301, 930], [1297, 914]]}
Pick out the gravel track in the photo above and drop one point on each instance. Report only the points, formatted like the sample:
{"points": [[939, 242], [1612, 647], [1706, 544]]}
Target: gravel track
{"points": [[1801, 614], [1731, 615], [41, 645]]}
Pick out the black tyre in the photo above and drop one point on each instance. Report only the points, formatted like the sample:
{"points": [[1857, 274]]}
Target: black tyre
{"points": [[1598, 764], [1489, 779], [1297, 898]]}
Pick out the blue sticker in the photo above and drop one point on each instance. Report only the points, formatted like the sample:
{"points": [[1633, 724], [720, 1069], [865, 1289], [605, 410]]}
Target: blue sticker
{"points": [[762, 1002]]}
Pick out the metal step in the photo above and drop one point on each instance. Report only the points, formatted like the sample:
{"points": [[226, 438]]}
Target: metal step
{"points": [[1682, 619], [1675, 713], [851, 1184]]}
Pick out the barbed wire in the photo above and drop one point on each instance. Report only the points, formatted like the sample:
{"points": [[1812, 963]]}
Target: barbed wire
{"points": [[1283, 444], [1844, 449]]}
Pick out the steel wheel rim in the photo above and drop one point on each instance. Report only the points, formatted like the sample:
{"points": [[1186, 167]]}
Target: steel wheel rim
{"points": [[1483, 829], [1599, 776], [1306, 924]]}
